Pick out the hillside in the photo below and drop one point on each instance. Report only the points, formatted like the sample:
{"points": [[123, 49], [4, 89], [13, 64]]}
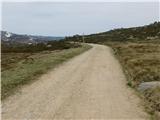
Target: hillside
{"points": [[8, 37], [11, 42], [147, 32]]}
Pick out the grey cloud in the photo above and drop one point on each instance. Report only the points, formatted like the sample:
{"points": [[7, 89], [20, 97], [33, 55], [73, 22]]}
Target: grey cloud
{"points": [[62, 19]]}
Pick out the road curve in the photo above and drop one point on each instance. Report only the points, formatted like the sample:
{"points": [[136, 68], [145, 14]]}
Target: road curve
{"points": [[89, 86]]}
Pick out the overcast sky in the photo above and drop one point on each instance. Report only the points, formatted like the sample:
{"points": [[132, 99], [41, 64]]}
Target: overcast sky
{"points": [[63, 19]]}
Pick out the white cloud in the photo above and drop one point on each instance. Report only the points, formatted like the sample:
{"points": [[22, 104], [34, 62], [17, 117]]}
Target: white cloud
{"points": [[75, 18]]}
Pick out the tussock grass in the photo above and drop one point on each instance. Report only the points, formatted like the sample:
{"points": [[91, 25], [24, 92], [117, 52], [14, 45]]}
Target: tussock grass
{"points": [[141, 60], [26, 70], [141, 63], [153, 96]]}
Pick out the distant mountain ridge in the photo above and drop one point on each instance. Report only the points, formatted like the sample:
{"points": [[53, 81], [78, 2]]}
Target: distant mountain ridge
{"points": [[147, 32], [8, 37]]}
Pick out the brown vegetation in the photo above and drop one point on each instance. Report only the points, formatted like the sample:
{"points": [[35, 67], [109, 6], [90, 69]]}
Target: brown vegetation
{"points": [[141, 63], [19, 68]]}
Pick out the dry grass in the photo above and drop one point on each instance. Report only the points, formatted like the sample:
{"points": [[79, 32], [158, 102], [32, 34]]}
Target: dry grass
{"points": [[9, 60], [29, 67], [141, 63], [153, 100]]}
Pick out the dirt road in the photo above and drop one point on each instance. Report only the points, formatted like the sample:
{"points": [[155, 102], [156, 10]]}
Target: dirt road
{"points": [[89, 86]]}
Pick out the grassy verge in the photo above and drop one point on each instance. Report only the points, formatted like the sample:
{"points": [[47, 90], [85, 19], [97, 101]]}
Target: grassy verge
{"points": [[26, 70], [141, 63], [9, 60]]}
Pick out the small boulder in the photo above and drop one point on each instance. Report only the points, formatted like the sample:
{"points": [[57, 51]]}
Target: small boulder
{"points": [[148, 85]]}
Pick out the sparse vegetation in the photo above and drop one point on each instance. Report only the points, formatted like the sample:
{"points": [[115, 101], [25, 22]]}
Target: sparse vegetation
{"points": [[153, 100], [14, 52], [147, 32], [141, 63], [27, 66], [33, 48], [140, 59], [9, 60]]}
